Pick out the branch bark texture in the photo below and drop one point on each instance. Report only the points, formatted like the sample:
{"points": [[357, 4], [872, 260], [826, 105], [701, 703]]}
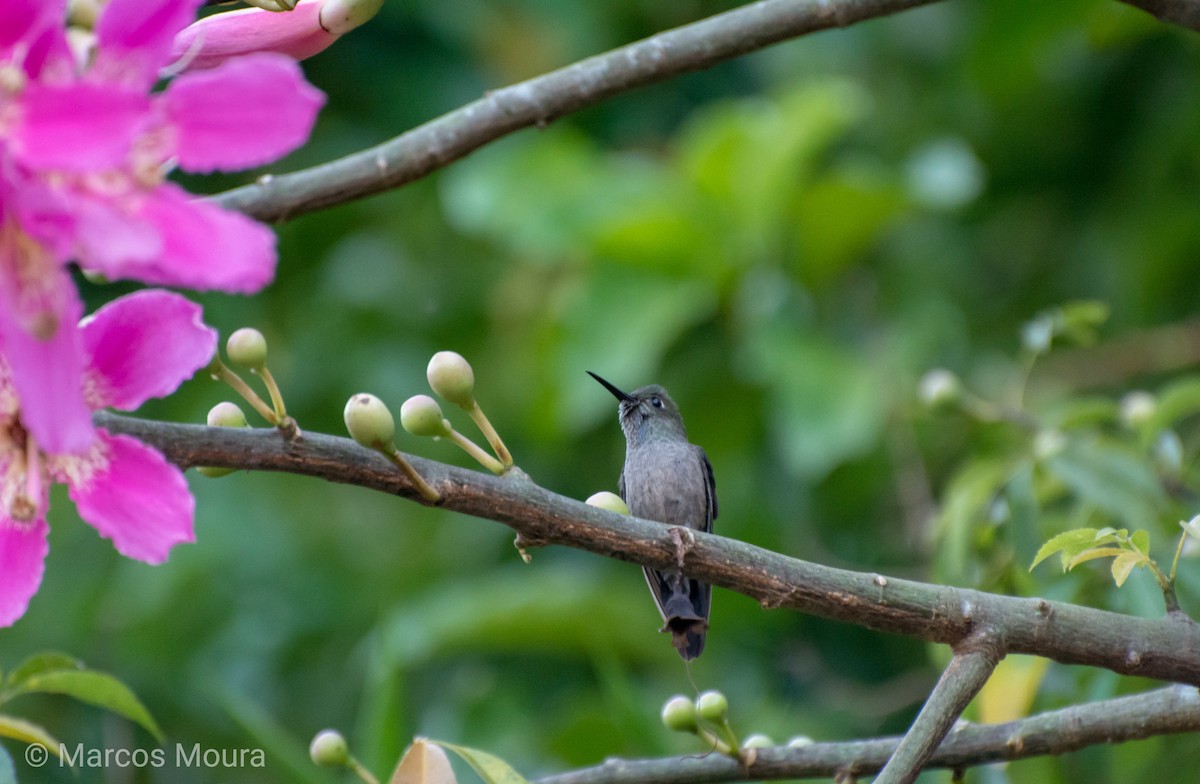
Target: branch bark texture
{"points": [[1166, 648], [1185, 13], [539, 101]]}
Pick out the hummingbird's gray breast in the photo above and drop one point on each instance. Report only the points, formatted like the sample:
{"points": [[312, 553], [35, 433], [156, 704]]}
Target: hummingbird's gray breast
{"points": [[665, 480]]}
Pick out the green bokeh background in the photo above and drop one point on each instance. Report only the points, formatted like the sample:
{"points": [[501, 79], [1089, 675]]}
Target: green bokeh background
{"points": [[786, 242]]}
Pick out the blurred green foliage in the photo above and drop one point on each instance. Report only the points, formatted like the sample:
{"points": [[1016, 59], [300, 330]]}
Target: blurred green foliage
{"points": [[787, 242]]}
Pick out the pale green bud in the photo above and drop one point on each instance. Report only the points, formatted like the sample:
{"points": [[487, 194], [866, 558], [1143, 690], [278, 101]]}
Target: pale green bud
{"points": [[679, 714], [610, 501], [451, 377], [1048, 444], [1137, 408], [342, 16], [939, 387], [369, 421], [247, 347], [329, 749], [422, 416], [226, 414], [712, 706], [799, 742], [758, 741]]}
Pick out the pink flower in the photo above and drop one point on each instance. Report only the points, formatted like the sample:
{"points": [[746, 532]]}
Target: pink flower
{"points": [[137, 347], [84, 150], [309, 28]]}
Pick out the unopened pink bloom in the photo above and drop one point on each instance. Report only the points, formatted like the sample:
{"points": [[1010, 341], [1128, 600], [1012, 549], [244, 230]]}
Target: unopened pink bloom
{"points": [[309, 28], [214, 39], [137, 347], [84, 150]]}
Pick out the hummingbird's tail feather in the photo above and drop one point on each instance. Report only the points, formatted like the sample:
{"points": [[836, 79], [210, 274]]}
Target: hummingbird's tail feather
{"points": [[684, 605], [687, 632]]}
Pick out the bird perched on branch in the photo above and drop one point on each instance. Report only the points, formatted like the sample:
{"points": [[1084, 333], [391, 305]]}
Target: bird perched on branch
{"points": [[668, 479]]}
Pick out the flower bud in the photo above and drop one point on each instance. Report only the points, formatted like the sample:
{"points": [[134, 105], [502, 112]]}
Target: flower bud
{"points": [[422, 416], [451, 377], [679, 714], [342, 16], [1137, 408], [939, 387], [610, 501], [329, 749], [247, 347], [369, 421], [799, 741], [227, 414], [712, 706], [758, 741], [1048, 444]]}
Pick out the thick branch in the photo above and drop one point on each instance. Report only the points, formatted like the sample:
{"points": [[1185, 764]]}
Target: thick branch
{"points": [[539, 101], [972, 665], [1185, 13], [1166, 648], [1160, 712]]}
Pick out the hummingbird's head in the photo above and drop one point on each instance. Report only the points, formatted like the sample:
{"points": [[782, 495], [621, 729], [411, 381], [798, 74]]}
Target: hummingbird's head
{"points": [[646, 412]]}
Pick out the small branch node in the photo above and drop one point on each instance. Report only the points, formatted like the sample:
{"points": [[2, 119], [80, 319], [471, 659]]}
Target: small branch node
{"points": [[684, 541], [1133, 659]]}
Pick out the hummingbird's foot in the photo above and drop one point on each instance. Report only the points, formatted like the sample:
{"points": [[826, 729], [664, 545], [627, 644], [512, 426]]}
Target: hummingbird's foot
{"points": [[684, 541]]}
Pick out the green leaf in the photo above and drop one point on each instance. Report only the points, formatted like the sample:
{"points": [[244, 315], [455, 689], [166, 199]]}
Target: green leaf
{"points": [[42, 662], [423, 763], [1094, 553], [95, 688], [1141, 541], [1124, 563], [1079, 320], [1175, 402], [8, 774], [490, 768], [1071, 542], [28, 732]]}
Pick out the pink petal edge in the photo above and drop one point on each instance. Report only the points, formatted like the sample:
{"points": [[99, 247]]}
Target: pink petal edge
{"points": [[246, 112], [145, 345], [23, 550], [137, 499]]}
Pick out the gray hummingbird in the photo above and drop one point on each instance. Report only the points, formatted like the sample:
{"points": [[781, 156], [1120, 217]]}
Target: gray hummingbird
{"points": [[668, 479]]}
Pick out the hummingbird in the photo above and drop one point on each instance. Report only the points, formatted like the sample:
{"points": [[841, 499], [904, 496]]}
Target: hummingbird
{"points": [[668, 479]]}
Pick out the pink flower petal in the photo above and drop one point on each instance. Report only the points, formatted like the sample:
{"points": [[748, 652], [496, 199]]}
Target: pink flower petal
{"points": [[108, 236], [133, 37], [23, 549], [244, 113], [205, 246], [145, 345], [136, 498], [24, 25], [54, 118], [219, 37], [44, 352]]}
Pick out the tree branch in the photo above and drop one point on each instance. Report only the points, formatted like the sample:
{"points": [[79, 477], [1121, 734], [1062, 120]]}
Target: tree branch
{"points": [[974, 660], [1161, 712], [1185, 13], [1166, 648], [541, 100]]}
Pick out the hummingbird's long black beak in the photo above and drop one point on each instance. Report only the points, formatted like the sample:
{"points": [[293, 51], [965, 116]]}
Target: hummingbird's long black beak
{"points": [[618, 394]]}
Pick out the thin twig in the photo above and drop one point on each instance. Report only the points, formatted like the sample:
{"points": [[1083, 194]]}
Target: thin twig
{"points": [[1166, 711], [541, 100]]}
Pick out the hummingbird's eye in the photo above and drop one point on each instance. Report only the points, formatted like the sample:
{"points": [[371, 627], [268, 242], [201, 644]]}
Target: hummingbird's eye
{"points": [[656, 402]]}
